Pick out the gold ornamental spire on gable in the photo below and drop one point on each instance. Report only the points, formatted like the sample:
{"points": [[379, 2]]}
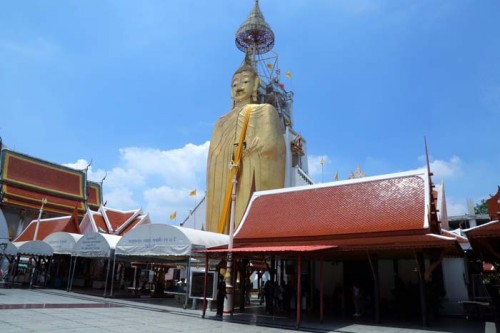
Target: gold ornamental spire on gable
{"points": [[255, 33]]}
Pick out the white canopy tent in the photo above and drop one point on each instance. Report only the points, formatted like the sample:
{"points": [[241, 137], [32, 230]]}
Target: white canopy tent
{"points": [[11, 249], [167, 241], [95, 245], [62, 242], [33, 248], [36, 249], [161, 242]]}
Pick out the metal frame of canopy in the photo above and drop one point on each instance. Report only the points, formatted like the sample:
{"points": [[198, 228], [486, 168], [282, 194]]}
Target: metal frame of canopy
{"points": [[36, 249], [161, 243], [94, 245], [63, 243]]}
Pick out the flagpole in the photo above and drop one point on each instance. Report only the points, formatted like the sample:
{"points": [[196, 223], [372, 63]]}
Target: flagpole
{"points": [[44, 201], [194, 211], [322, 162]]}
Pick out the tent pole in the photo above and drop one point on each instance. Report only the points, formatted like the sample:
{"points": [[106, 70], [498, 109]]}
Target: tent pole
{"points": [[188, 272], [321, 290], [69, 272], [299, 289], [112, 276], [107, 276], [73, 273], [204, 305], [47, 271]]}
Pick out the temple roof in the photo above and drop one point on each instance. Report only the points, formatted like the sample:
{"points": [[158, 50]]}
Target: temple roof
{"points": [[112, 221], [485, 241], [493, 204], [26, 180], [377, 206], [49, 226]]}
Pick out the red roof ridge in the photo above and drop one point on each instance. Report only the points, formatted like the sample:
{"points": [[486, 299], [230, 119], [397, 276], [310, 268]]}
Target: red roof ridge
{"points": [[397, 202], [417, 172]]}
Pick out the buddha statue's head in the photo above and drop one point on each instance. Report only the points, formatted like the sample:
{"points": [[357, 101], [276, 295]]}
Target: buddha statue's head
{"points": [[244, 84]]}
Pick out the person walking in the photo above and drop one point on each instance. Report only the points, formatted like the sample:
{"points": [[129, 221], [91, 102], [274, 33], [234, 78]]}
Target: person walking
{"points": [[221, 295]]}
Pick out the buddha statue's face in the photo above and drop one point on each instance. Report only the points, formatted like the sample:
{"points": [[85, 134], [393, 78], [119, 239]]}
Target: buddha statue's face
{"points": [[242, 87]]}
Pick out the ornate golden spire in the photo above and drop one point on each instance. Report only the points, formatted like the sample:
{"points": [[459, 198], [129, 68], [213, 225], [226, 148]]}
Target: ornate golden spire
{"points": [[255, 33]]}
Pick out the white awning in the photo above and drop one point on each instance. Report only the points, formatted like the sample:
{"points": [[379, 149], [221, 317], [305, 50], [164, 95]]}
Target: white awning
{"points": [[161, 240], [11, 249], [95, 245], [31, 248], [62, 242]]}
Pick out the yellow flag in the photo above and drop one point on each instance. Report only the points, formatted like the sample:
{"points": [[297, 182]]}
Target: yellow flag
{"points": [[192, 193], [336, 176], [288, 75], [173, 215]]}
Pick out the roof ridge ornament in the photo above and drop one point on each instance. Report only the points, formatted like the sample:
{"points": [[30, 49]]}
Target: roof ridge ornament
{"points": [[255, 32]]}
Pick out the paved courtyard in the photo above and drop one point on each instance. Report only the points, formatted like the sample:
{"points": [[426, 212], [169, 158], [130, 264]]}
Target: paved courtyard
{"points": [[30, 310]]}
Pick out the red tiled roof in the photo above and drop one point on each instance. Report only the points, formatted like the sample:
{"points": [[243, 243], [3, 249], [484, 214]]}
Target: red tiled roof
{"points": [[278, 248], [353, 244], [120, 221], [100, 223], [487, 230], [47, 227], [371, 205], [493, 204], [26, 180], [485, 241], [94, 195], [142, 219], [117, 218]]}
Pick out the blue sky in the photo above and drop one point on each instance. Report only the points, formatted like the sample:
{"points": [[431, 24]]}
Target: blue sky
{"points": [[136, 87]]}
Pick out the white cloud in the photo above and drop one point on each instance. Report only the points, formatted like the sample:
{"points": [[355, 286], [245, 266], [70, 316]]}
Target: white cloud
{"points": [[163, 201], [446, 169], [158, 181], [81, 164], [177, 167], [120, 198], [442, 169]]}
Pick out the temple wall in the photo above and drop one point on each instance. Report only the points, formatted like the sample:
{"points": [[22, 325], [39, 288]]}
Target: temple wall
{"points": [[454, 284]]}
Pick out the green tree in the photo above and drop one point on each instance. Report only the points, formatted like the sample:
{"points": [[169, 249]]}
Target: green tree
{"points": [[481, 208]]}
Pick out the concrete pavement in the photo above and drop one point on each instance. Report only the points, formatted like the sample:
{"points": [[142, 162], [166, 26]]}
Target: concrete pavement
{"points": [[45, 310]]}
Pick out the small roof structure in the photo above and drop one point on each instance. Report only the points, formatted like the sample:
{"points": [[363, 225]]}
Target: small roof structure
{"points": [[40, 229], [112, 221], [96, 245], [62, 242], [485, 241], [30, 248], [163, 241], [493, 204]]}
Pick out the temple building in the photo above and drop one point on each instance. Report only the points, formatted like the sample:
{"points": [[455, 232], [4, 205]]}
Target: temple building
{"points": [[387, 235], [27, 183]]}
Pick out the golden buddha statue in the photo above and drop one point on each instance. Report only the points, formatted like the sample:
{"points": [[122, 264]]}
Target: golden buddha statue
{"points": [[262, 163]]}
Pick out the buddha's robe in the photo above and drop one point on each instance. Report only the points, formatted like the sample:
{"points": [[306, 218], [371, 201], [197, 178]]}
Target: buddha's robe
{"points": [[262, 165]]}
